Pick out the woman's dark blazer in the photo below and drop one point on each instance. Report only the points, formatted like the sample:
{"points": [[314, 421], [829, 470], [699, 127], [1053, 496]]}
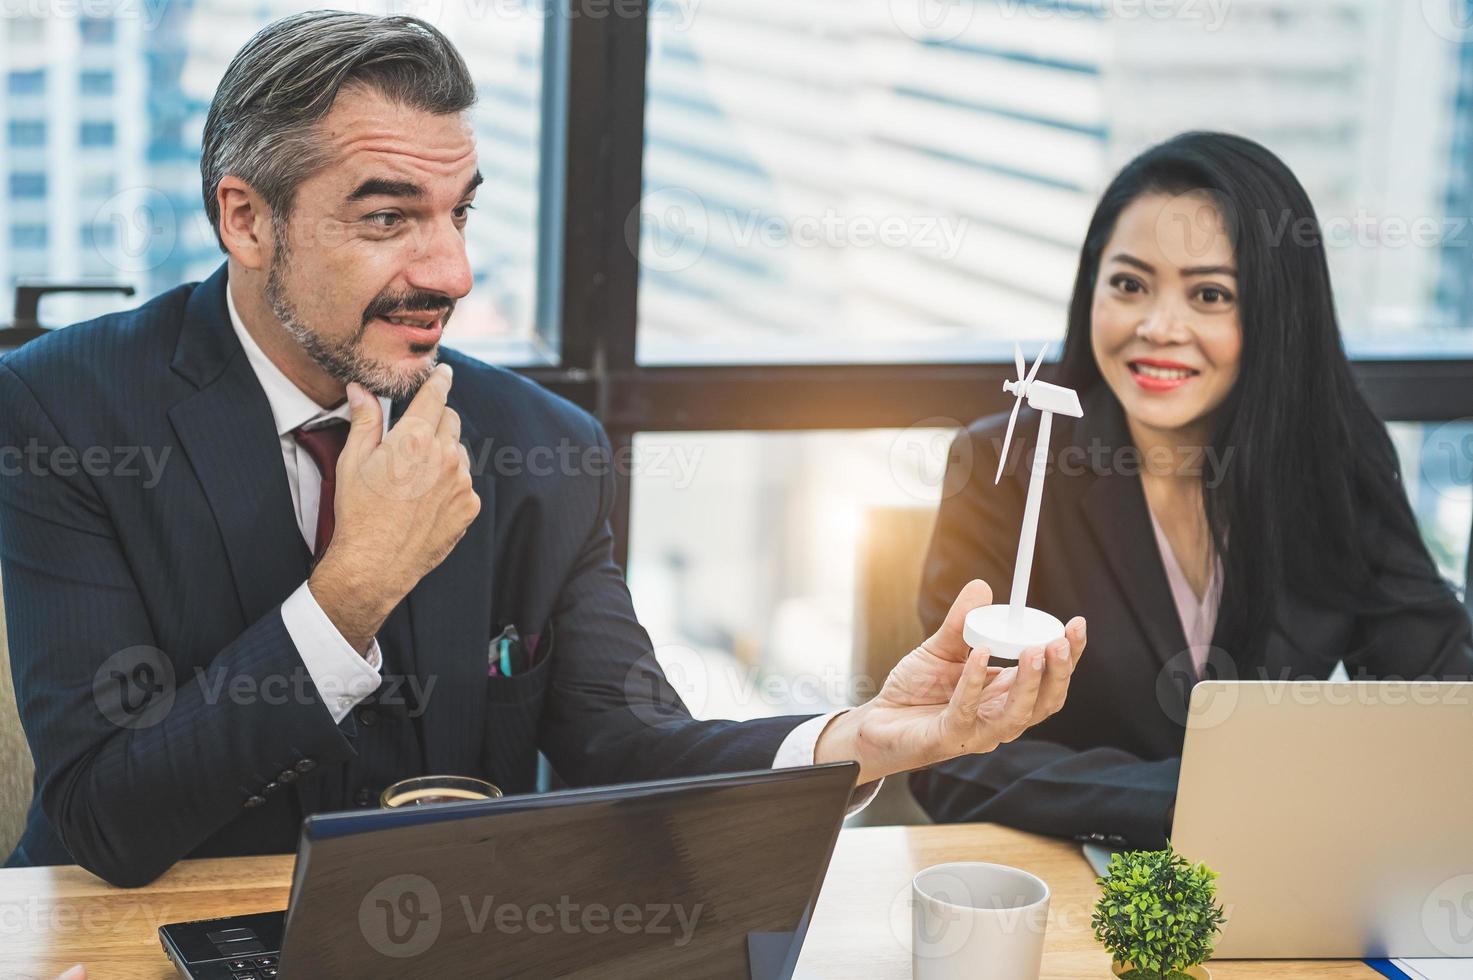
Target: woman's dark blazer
{"points": [[1105, 767]]}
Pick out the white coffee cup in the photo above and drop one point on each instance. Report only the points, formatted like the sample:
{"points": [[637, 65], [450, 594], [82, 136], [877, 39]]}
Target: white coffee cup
{"points": [[976, 921]]}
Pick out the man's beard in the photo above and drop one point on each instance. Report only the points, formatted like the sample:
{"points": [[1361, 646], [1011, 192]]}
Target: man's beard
{"points": [[345, 359]]}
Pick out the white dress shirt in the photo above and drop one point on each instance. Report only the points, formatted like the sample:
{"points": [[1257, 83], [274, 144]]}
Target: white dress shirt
{"points": [[343, 677]]}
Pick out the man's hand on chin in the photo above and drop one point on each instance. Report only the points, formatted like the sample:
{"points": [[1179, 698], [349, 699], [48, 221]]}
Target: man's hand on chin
{"points": [[944, 700]]}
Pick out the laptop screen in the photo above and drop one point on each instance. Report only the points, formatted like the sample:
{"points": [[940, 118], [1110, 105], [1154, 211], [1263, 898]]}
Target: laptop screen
{"points": [[707, 877]]}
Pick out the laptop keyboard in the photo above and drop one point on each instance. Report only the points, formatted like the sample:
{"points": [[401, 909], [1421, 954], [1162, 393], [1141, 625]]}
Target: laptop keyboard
{"points": [[252, 969]]}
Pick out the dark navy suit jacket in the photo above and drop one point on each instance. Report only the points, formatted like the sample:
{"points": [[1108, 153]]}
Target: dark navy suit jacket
{"points": [[107, 574]]}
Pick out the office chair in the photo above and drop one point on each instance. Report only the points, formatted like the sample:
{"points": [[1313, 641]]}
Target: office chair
{"points": [[887, 626], [26, 326]]}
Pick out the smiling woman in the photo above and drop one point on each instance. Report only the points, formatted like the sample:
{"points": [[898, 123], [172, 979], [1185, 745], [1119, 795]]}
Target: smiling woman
{"points": [[1286, 545], [1181, 269]]}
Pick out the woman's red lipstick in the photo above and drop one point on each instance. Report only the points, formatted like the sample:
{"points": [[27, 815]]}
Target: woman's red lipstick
{"points": [[1157, 375]]}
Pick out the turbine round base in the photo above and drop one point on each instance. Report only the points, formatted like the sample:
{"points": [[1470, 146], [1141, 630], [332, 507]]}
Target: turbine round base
{"points": [[988, 627]]}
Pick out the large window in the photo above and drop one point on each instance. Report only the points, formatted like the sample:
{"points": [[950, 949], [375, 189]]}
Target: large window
{"points": [[27, 82], [745, 566], [829, 181], [827, 188], [27, 132], [98, 134], [27, 186], [782, 248], [141, 94], [96, 83], [1437, 468]]}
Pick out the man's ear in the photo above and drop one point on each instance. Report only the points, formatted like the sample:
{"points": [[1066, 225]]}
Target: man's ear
{"points": [[245, 223]]}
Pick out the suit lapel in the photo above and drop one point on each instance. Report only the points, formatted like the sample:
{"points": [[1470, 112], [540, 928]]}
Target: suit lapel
{"points": [[229, 435], [450, 612], [1114, 507], [227, 431]]}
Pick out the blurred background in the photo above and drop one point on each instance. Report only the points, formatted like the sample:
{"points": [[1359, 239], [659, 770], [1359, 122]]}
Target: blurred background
{"points": [[806, 191]]}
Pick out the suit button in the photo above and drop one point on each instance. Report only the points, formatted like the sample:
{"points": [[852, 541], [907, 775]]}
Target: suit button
{"points": [[286, 775], [270, 788], [364, 798], [368, 717], [251, 802], [305, 765]]}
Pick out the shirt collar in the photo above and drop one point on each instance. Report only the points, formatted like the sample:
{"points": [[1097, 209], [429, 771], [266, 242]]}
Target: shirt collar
{"points": [[291, 407]]}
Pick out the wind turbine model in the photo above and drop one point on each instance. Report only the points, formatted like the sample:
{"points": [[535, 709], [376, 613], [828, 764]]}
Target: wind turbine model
{"points": [[1006, 631]]}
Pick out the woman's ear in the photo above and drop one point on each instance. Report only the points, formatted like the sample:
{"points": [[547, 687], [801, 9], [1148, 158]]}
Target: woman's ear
{"points": [[245, 223]]}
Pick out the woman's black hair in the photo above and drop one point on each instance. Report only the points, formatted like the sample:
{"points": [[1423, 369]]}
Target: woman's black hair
{"points": [[1312, 488]]}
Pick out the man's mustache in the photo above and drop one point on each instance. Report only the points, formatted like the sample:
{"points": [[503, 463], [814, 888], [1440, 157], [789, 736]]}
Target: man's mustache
{"points": [[418, 301]]}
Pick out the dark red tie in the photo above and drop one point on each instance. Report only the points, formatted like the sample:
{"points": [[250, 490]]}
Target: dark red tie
{"points": [[324, 444]]}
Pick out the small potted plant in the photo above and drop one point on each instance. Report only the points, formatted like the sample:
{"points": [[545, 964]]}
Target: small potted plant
{"points": [[1157, 916]]}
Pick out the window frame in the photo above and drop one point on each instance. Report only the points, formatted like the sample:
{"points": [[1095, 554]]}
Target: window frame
{"points": [[584, 339], [594, 130]]}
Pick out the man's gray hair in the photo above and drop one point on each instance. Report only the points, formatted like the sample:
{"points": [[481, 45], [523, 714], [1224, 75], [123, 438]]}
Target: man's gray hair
{"points": [[263, 121]]}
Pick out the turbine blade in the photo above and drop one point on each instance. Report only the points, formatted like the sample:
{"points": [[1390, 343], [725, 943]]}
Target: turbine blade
{"points": [[1033, 371], [1007, 441], [1018, 358]]}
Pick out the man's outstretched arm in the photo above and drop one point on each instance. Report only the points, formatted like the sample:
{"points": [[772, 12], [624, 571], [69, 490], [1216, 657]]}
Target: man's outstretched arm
{"points": [[612, 715]]}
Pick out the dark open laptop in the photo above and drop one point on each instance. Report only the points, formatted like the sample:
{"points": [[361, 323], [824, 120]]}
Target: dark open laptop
{"points": [[714, 876]]}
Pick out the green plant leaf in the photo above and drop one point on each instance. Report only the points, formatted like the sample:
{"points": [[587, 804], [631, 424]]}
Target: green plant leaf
{"points": [[1157, 912]]}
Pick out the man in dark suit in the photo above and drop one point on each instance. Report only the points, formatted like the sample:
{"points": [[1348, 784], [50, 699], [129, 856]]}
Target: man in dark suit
{"points": [[293, 609]]}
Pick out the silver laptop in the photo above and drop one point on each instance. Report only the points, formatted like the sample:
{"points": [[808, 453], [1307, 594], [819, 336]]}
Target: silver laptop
{"points": [[1339, 815]]}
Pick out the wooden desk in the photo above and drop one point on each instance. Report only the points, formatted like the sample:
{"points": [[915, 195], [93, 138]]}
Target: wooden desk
{"points": [[51, 918]]}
